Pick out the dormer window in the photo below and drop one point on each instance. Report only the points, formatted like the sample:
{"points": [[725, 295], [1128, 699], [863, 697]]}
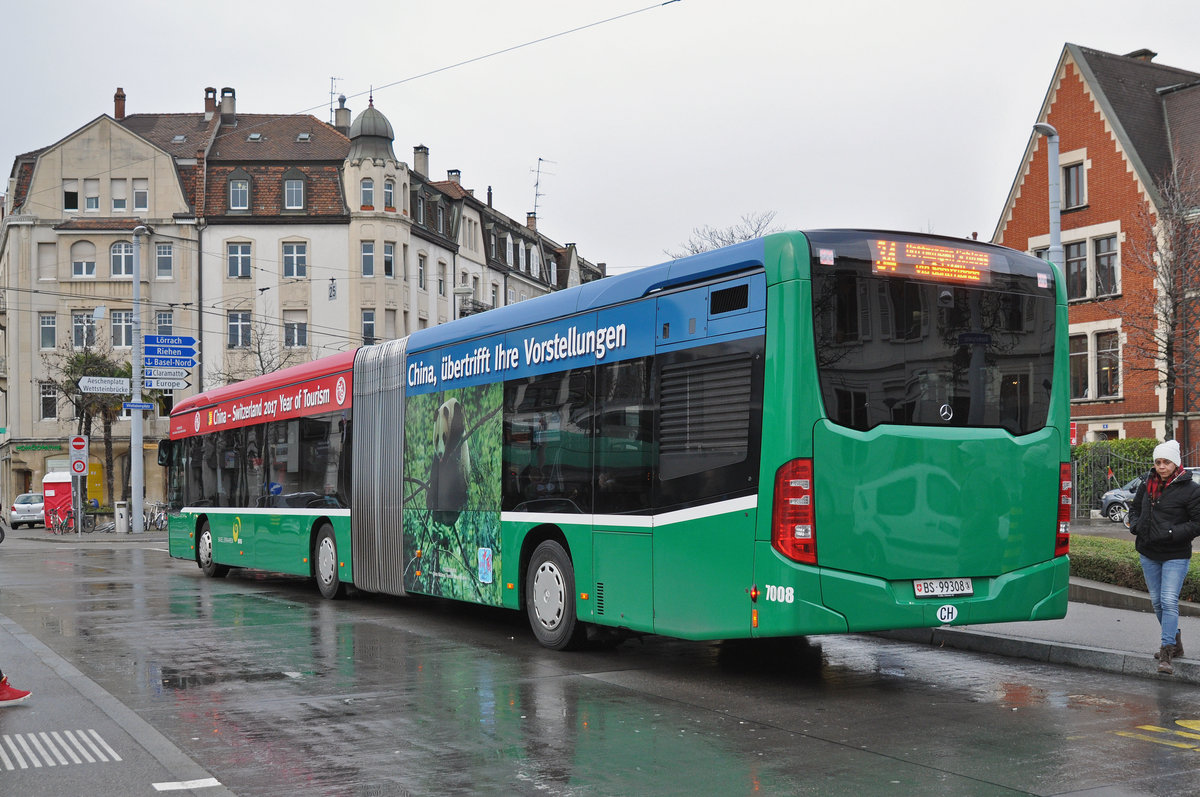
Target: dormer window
{"points": [[239, 190], [293, 189]]}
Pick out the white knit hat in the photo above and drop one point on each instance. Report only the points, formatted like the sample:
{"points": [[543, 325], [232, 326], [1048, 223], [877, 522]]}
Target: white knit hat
{"points": [[1168, 450]]}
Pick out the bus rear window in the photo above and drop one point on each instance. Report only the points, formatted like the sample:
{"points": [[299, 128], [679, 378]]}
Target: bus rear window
{"points": [[968, 341]]}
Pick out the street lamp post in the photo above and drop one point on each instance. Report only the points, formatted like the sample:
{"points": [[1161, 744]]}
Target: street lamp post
{"points": [[1056, 250], [137, 479]]}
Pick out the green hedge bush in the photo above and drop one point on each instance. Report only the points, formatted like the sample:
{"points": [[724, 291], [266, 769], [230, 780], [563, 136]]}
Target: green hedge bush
{"points": [[1114, 561]]}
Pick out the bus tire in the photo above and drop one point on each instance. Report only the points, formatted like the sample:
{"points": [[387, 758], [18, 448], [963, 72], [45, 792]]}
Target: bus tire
{"points": [[204, 554], [325, 564], [550, 598]]}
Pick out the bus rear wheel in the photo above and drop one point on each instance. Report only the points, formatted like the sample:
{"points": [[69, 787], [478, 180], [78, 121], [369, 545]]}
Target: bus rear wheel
{"points": [[550, 598], [204, 554], [325, 559]]}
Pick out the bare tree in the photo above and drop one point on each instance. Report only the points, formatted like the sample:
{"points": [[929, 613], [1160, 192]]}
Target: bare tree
{"points": [[751, 225], [1169, 237], [264, 355]]}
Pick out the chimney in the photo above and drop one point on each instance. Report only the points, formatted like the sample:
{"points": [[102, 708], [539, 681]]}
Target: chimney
{"points": [[421, 160], [119, 104], [228, 107], [1142, 54], [454, 176], [531, 221], [341, 117], [210, 103]]}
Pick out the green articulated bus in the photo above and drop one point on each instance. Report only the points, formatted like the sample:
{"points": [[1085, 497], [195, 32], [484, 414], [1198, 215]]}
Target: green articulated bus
{"points": [[813, 432]]}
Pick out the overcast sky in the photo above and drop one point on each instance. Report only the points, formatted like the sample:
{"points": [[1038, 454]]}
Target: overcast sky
{"points": [[895, 115]]}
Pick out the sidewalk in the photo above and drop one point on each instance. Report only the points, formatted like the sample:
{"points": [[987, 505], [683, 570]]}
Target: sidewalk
{"points": [[1106, 628]]}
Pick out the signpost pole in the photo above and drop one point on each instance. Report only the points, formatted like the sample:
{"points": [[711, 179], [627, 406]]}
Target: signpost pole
{"points": [[136, 455]]}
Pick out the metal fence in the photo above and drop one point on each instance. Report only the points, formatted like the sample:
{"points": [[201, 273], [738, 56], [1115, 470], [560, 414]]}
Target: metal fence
{"points": [[1103, 471]]}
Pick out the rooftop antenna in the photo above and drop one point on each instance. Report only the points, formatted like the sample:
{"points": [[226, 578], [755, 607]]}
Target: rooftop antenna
{"points": [[537, 183], [332, 94]]}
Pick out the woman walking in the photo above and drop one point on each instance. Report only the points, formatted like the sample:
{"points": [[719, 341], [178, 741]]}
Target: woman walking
{"points": [[1165, 516]]}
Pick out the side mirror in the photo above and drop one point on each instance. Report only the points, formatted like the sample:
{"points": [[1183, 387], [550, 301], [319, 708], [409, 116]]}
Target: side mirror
{"points": [[164, 452]]}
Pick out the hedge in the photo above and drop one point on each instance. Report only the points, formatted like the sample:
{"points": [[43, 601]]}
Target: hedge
{"points": [[1115, 561]]}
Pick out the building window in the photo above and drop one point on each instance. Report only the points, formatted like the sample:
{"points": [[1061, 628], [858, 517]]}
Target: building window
{"points": [[48, 324], [239, 330], [239, 261], [368, 258], [389, 195], [83, 330], [1106, 265], [91, 195], [164, 323], [1076, 254], [49, 401], [119, 198], [368, 193], [293, 194], [495, 295], [1095, 363], [441, 219], [389, 260], [122, 259], [83, 259], [70, 195], [295, 329], [1108, 365], [420, 219], [141, 194], [239, 194], [295, 260], [164, 261], [1074, 193], [368, 326], [421, 272], [441, 279], [122, 329]]}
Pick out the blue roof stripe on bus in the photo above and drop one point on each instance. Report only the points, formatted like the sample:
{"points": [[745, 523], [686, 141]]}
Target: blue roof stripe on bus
{"points": [[592, 296]]}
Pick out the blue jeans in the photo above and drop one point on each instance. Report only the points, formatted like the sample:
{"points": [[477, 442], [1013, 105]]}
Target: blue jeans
{"points": [[1165, 580]]}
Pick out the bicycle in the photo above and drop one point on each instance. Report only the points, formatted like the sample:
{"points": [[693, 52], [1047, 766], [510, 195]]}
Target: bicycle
{"points": [[61, 523], [155, 516]]}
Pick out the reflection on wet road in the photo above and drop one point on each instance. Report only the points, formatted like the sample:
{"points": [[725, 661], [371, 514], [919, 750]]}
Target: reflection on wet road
{"points": [[276, 692]]}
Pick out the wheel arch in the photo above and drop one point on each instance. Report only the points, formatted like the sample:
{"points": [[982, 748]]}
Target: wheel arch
{"points": [[533, 538]]}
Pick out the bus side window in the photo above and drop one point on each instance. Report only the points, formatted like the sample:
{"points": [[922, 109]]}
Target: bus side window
{"points": [[625, 453]]}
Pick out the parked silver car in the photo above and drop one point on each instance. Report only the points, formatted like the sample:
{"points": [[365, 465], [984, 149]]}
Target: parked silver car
{"points": [[28, 508]]}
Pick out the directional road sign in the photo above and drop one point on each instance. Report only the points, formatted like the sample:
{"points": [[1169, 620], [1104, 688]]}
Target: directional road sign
{"points": [[168, 340], [167, 384], [137, 405], [166, 373], [169, 362], [169, 351], [104, 384]]}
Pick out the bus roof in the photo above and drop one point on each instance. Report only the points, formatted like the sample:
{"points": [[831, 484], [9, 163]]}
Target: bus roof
{"points": [[593, 295]]}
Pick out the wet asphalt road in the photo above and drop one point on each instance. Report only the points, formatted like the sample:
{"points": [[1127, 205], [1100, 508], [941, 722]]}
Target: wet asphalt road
{"points": [[269, 690]]}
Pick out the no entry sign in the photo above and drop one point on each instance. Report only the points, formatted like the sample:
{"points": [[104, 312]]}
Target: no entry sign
{"points": [[79, 454]]}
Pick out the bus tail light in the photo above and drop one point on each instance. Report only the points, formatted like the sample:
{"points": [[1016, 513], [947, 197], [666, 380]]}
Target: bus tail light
{"points": [[1062, 540], [793, 532]]}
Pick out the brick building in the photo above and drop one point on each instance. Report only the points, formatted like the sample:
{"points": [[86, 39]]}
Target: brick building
{"points": [[1123, 122]]}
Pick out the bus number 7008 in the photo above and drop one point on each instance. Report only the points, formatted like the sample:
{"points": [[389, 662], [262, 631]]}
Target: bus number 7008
{"points": [[781, 594]]}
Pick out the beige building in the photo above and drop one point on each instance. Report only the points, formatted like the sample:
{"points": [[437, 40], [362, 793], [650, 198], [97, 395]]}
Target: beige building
{"points": [[272, 239]]}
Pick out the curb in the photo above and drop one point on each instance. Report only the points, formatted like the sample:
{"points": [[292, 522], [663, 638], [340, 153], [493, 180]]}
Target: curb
{"points": [[1115, 661]]}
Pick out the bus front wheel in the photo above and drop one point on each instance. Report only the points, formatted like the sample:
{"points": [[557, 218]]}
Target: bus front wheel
{"points": [[550, 598], [326, 569], [204, 554]]}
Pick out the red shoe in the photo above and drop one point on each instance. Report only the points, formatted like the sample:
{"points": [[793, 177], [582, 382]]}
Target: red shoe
{"points": [[10, 696]]}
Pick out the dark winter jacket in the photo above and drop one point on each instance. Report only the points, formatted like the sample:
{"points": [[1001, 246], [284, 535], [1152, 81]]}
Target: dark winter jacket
{"points": [[1165, 527]]}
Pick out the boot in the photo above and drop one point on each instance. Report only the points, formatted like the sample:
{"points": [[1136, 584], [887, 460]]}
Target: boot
{"points": [[1164, 660], [1178, 654]]}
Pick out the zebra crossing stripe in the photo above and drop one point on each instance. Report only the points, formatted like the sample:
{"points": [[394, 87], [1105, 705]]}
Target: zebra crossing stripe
{"points": [[42, 749]]}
